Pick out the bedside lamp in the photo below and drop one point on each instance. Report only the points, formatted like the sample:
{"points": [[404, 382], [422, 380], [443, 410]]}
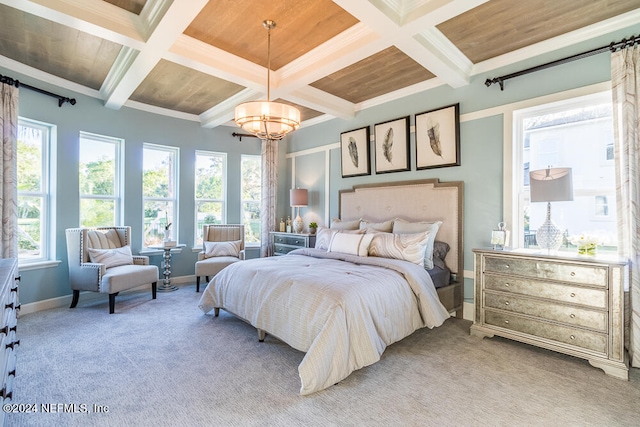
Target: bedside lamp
{"points": [[299, 197], [550, 185]]}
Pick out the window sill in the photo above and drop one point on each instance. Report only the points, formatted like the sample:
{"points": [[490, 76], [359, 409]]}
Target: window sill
{"points": [[38, 265]]}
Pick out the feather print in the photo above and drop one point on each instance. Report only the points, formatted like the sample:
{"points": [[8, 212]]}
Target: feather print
{"points": [[433, 130], [387, 145], [353, 151]]}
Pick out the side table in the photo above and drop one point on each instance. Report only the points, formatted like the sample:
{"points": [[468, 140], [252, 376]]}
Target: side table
{"points": [[166, 282]]}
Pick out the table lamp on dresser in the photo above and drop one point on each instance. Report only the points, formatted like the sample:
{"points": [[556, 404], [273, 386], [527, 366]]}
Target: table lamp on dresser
{"points": [[550, 185], [298, 197]]}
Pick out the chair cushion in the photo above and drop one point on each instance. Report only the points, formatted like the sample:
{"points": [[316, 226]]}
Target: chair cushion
{"points": [[111, 257], [216, 249], [211, 266], [125, 277]]}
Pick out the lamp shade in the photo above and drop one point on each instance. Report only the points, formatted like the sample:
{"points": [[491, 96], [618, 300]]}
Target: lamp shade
{"points": [[298, 197], [551, 185]]}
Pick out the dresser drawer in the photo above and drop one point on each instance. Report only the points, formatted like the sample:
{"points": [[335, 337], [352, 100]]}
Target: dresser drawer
{"points": [[583, 339], [297, 241], [554, 291], [571, 315], [540, 269]]}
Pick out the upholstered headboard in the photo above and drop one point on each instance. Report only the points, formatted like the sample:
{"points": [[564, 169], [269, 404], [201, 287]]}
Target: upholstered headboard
{"points": [[425, 200]]}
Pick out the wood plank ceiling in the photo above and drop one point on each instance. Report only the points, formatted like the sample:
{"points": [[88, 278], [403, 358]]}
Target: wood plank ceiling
{"points": [[197, 59]]}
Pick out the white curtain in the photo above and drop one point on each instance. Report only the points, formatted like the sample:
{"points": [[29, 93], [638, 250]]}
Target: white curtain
{"points": [[625, 81], [9, 176], [269, 193]]}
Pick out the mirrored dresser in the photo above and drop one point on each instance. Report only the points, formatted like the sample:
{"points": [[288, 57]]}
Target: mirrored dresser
{"points": [[570, 304]]}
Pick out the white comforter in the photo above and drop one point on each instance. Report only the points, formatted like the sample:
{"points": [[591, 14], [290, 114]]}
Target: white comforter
{"points": [[342, 314]]}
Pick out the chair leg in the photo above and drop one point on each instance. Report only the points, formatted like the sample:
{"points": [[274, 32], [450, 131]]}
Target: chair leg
{"points": [[74, 301], [112, 302], [154, 290], [197, 283]]}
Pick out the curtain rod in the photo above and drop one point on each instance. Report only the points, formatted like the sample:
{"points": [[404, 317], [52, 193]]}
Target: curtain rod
{"points": [[243, 135], [613, 46], [13, 82]]}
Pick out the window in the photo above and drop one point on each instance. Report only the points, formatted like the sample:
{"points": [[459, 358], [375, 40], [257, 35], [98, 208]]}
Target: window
{"points": [[34, 219], [100, 180], [251, 169], [210, 194], [159, 192], [567, 134]]}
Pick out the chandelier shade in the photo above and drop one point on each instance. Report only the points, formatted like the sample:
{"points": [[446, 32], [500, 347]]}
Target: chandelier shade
{"points": [[267, 119]]}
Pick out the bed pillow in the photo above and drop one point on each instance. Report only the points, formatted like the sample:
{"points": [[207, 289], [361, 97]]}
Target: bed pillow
{"points": [[440, 251], [214, 249], [408, 247], [338, 224], [400, 226], [323, 236], [113, 257], [374, 227], [350, 243]]}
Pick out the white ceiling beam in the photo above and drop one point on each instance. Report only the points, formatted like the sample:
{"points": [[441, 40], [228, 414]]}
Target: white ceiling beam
{"points": [[322, 101], [173, 23], [225, 111]]}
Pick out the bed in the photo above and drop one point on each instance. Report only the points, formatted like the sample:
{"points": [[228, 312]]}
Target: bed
{"points": [[342, 308]]}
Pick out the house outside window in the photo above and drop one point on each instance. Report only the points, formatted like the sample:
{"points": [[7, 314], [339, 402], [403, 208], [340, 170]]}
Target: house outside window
{"points": [[159, 192], [210, 191], [251, 169], [35, 142], [567, 134], [100, 180]]}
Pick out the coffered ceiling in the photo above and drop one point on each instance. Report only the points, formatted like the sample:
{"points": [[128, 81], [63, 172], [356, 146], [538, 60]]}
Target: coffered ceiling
{"points": [[198, 59]]}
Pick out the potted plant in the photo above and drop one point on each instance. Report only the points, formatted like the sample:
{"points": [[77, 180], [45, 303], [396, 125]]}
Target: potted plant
{"points": [[313, 226]]}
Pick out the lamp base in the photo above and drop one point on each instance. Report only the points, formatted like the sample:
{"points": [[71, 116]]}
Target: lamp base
{"points": [[549, 236], [298, 224]]}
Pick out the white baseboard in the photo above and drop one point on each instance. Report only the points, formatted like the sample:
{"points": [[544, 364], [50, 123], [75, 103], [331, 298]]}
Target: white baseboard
{"points": [[65, 301], [468, 311]]}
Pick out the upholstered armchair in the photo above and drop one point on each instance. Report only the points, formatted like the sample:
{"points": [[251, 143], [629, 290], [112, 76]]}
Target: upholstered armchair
{"points": [[222, 245], [100, 260]]}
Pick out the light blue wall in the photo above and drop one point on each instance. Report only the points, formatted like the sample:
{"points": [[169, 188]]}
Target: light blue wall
{"points": [[481, 156]]}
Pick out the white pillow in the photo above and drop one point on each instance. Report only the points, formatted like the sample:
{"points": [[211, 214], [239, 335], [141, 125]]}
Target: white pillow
{"points": [[214, 249], [400, 226], [349, 243], [338, 224], [111, 257], [324, 235], [373, 227], [408, 247]]}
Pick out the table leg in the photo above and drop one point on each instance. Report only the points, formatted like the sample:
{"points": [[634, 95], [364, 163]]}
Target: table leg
{"points": [[166, 282]]}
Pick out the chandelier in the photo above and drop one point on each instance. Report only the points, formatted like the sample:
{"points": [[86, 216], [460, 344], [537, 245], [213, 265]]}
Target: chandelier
{"points": [[266, 119]]}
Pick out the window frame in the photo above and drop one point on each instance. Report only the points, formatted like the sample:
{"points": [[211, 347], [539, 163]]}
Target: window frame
{"points": [[515, 195], [242, 200], [176, 184], [197, 232], [118, 196], [47, 214]]}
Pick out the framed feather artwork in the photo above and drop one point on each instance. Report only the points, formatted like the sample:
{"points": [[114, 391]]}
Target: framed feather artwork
{"points": [[354, 152], [438, 138], [392, 146]]}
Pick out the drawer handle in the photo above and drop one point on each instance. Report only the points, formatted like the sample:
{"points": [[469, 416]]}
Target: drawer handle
{"points": [[506, 303], [573, 316], [572, 295], [506, 321], [506, 266], [573, 273], [506, 285], [573, 337]]}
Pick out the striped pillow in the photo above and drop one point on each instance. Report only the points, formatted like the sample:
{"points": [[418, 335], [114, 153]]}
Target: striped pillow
{"points": [[408, 247], [111, 257], [349, 243], [324, 235]]}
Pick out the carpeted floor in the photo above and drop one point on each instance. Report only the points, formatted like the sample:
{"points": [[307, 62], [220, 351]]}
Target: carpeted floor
{"points": [[164, 363]]}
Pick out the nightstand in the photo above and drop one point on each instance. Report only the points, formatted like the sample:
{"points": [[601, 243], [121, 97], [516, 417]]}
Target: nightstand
{"points": [[283, 243], [570, 304]]}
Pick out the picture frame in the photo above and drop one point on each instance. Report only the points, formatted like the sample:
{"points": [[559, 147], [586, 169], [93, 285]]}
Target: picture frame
{"points": [[438, 137], [354, 152], [392, 152]]}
